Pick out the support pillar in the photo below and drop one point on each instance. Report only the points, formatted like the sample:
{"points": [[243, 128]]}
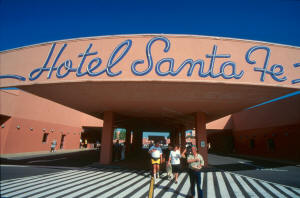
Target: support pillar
{"points": [[137, 140], [172, 137], [140, 140], [177, 131], [201, 141], [107, 138], [128, 140], [182, 136]]}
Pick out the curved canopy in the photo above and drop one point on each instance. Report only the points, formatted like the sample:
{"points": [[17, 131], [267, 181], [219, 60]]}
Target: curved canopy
{"points": [[154, 80]]}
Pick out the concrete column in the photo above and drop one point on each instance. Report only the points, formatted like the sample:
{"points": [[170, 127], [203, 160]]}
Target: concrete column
{"points": [[172, 137], [183, 141], [128, 140], [200, 121], [107, 138], [177, 131], [137, 140], [134, 138]]}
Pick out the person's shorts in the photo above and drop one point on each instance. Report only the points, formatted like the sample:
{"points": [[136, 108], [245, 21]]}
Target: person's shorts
{"points": [[155, 161], [175, 168]]}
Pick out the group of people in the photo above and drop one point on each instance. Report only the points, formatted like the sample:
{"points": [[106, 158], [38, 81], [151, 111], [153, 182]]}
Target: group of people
{"points": [[173, 164]]}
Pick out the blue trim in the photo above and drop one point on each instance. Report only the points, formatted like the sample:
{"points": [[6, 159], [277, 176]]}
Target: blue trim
{"points": [[17, 77], [276, 99], [9, 88]]}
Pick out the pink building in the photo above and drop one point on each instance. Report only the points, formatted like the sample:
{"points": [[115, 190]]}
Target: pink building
{"points": [[30, 123], [270, 130], [149, 83]]}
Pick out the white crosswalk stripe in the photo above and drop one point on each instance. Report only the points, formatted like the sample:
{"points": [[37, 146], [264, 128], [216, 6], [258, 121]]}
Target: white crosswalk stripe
{"points": [[49, 189], [249, 191], [40, 183], [210, 186], [259, 188], [124, 183], [276, 192], [237, 192], [222, 186], [290, 193]]}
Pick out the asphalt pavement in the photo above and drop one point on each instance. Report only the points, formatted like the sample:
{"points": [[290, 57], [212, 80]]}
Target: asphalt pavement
{"points": [[226, 176]]}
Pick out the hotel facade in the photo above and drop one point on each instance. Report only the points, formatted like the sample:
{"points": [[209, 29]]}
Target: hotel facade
{"points": [[60, 90]]}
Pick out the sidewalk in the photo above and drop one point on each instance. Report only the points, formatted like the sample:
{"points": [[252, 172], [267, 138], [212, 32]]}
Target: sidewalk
{"points": [[29, 155]]}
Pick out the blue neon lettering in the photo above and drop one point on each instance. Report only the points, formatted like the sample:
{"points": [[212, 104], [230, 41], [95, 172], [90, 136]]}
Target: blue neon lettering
{"points": [[192, 66], [212, 57], [52, 68], [84, 55], [39, 71], [163, 67], [68, 66], [296, 80], [90, 69], [149, 56], [111, 62], [171, 66], [233, 73], [265, 70]]}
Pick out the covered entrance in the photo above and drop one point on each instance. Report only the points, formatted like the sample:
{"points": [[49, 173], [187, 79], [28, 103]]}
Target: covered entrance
{"points": [[153, 82]]}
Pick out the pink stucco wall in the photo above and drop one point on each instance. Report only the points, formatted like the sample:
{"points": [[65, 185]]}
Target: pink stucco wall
{"points": [[25, 118], [281, 113], [278, 122], [23, 139], [17, 103]]}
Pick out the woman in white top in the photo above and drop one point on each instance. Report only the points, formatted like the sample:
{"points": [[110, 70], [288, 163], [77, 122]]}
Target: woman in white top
{"points": [[174, 159]]}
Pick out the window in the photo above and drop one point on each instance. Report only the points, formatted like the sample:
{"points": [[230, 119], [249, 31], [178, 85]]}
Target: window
{"points": [[271, 144], [252, 143], [45, 137]]}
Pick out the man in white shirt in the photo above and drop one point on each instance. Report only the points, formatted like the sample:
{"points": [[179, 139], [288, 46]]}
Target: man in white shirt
{"points": [[174, 159], [156, 158], [196, 162]]}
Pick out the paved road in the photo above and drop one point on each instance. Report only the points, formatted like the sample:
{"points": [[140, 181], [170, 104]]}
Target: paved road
{"points": [[91, 182], [74, 174], [273, 171], [77, 158]]}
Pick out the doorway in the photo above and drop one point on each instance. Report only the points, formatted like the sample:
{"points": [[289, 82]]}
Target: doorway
{"points": [[62, 141]]}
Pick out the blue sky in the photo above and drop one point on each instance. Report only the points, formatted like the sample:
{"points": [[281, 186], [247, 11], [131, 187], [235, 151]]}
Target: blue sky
{"points": [[26, 22]]}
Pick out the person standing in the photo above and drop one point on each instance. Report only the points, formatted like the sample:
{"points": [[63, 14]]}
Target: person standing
{"points": [[196, 162], [53, 145], [117, 151], [168, 165], [85, 143], [156, 158], [175, 162], [123, 149]]}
